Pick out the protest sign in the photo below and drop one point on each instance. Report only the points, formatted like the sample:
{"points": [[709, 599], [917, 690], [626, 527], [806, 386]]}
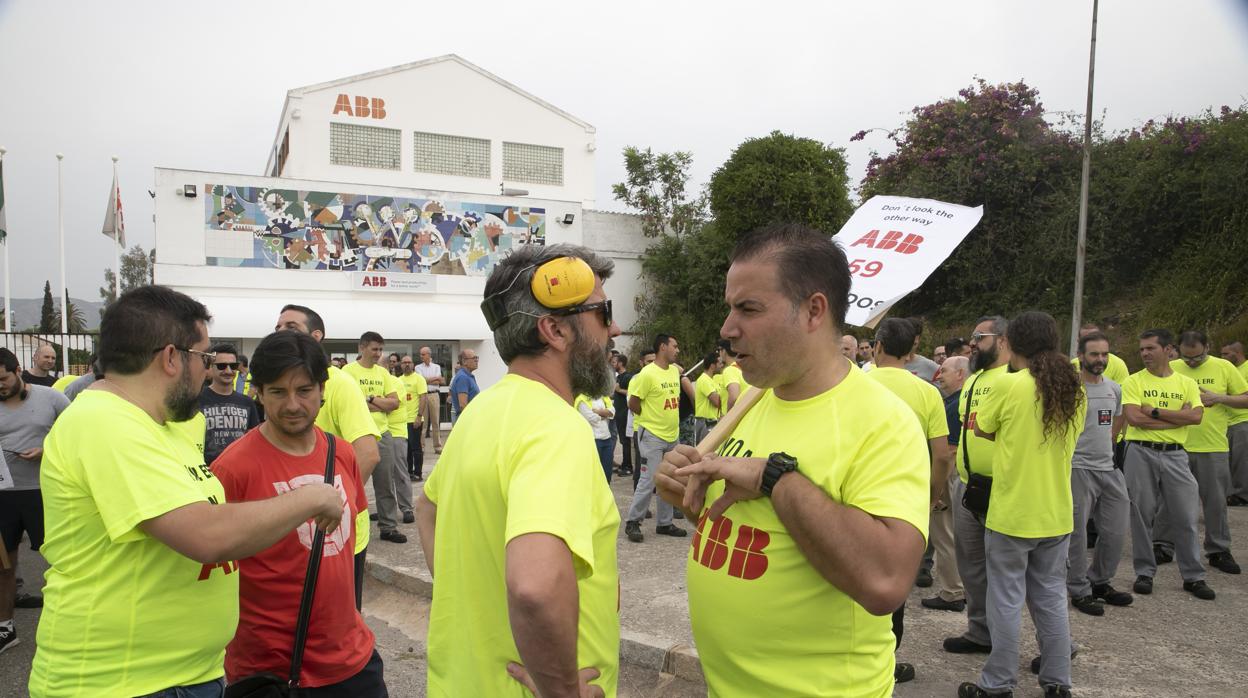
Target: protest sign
{"points": [[893, 243]]}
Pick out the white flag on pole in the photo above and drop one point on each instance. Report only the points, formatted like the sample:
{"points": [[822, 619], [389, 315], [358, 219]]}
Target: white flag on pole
{"points": [[114, 223], [893, 243]]}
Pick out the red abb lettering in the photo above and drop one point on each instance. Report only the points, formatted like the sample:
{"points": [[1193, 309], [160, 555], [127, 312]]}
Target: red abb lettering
{"points": [[379, 108], [910, 244], [361, 106], [206, 570], [748, 560], [715, 552], [892, 240], [343, 103]]}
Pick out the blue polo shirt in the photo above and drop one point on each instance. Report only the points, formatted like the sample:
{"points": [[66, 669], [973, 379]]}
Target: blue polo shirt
{"points": [[463, 382]]}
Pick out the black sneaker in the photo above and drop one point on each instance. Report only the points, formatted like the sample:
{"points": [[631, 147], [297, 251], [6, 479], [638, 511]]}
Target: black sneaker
{"points": [[25, 600], [409, 517], [903, 672], [393, 536], [1088, 604], [1236, 501], [1200, 590], [961, 645], [1055, 691], [1224, 562], [942, 605], [970, 690], [1143, 585], [1035, 661], [8, 638], [1111, 596], [924, 578], [671, 530], [678, 514], [649, 514], [1162, 555], [372, 517], [632, 529]]}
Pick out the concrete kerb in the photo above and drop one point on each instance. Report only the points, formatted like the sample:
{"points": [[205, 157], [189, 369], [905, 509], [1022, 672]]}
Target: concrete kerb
{"points": [[640, 649]]}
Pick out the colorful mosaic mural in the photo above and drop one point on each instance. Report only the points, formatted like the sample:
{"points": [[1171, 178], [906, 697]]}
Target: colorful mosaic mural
{"points": [[289, 229]]}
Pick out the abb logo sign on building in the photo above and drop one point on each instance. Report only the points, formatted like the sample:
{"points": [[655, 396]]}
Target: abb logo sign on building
{"points": [[363, 106]]}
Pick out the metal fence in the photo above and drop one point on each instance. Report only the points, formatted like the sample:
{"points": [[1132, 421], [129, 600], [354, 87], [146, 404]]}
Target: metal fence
{"points": [[73, 351]]}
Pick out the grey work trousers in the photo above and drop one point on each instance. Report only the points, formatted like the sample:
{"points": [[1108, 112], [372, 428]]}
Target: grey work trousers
{"points": [[651, 449], [1153, 477], [384, 486], [968, 536], [1237, 434], [1213, 480], [1100, 495], [402, 478], [940, 533], [1031, 570]]}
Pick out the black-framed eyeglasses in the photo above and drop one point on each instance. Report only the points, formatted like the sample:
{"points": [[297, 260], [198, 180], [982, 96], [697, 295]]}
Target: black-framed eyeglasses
{"points": [[221, 366], [1194, 361], [604, 306], [207, 357]]}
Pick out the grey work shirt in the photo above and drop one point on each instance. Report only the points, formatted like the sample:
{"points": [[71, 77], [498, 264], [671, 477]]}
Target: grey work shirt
{"points": [[1095, 448], [23, 426], [922, 367]]}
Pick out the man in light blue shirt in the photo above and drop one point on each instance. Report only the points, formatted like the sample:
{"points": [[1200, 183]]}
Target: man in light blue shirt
{"points": [[464, 384]]}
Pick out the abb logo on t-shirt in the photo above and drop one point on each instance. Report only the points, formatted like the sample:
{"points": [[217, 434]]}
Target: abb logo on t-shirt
{"points": [[747, 561], [340, 539]]}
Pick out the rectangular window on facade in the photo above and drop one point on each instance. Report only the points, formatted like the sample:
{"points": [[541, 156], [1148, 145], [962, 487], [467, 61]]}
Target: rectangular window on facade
{"points": [[452, 155], [535, 164], [364, 146]]}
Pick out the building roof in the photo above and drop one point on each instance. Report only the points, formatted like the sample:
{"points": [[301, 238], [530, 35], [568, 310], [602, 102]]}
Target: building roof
{"points": [[299, 91]]}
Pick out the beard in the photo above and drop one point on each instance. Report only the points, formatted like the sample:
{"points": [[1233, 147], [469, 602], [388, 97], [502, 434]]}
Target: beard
{"points": [[588, 368], [1096, 368], [182, 400], [982, 359]]}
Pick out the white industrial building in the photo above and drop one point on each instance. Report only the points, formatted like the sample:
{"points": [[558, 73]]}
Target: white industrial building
{"points": [[386, 200]]}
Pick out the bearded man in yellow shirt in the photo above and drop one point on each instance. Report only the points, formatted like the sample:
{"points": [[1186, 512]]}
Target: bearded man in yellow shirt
{"points": [[801, 556], [527, 591]]}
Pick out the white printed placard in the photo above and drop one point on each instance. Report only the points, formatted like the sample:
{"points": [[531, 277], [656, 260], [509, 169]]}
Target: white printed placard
{"points": [[893, 243], [6, 478]]}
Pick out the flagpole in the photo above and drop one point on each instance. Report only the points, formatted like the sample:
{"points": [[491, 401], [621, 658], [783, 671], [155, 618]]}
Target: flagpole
{"points": [[60, 233], [8, 295], [116, 242], [1081, 244]]}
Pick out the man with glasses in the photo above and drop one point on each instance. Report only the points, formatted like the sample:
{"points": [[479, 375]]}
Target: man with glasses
{"points": [[464, 385], [517, 523], [142, 593], [990, 359], [1222, 390], [227, 414]]}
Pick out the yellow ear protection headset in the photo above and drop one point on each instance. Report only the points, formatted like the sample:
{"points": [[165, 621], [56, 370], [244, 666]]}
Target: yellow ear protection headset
{"points": [[561, 285]]}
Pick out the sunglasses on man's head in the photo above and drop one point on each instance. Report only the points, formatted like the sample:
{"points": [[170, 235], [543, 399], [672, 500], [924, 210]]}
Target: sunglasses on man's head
{"points": [[233, 366]]}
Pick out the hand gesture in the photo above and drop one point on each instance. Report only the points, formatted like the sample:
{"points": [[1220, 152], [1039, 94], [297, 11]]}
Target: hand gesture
{"points": [[1207, 398], [587, 690], [329, 505], [742, 478], [671, 486]]}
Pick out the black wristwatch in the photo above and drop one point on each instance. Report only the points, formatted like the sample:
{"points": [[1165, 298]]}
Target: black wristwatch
{"points": [[778, 465], [370, 399], [1156, 413]]}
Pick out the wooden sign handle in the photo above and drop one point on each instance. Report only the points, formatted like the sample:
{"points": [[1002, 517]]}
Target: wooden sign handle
{"points": [[728, 423]]}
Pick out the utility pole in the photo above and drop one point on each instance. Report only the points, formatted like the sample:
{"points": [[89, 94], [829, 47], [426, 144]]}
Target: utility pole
{"points": [[1081, 250]]}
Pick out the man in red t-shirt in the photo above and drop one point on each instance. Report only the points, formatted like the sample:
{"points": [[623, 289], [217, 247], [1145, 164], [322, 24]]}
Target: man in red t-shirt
{"points": [[286, 452]]}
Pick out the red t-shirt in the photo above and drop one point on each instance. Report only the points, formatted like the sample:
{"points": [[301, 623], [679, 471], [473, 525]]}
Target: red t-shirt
{"points": [[339, 643]]}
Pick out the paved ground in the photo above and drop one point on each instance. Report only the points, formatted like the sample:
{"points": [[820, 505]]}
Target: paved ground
{"points": [[1168, 644]]}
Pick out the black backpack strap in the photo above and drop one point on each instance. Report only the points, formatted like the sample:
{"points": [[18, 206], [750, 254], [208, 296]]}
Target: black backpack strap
{"points": [[309, 579]]}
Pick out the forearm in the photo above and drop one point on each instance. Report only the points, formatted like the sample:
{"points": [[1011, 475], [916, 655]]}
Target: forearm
{"points": [[1181, 418], [634, 404], [210, 534], [543, 608], [734, 392], [388, 403], [855, 552], [367, 455], [426, 522]]}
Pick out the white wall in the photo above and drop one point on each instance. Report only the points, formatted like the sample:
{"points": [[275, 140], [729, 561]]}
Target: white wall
{"points": [[445, 97], [619, 236]]}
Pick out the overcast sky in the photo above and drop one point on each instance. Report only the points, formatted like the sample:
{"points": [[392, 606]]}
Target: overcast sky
{"points": [[200, 85]]}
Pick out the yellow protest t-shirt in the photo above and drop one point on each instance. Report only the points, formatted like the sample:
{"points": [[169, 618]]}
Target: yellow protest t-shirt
{"points": [[766, 623], [396, 419], [63, 382], [1030, 470], [1169, 393], [1239, 416], [921, 397], [1216, 375], [702, 407], [732, 375], [123, 613], [520, 461], [375, 381], [659, 392], [345, 415], [415, 385], [979, 450]]}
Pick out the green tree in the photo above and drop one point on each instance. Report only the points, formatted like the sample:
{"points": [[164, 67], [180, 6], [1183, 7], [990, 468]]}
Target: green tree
{"points": [[137, 269], [656, 186], [781, 179], [49, 322], [76, 321]]}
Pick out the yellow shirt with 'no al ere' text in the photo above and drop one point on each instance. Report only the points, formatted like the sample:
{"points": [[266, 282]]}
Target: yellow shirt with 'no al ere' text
{"points": [[979, 450], [1217, 376], [862, 446], [414, 386], [1170, 393], [658, 389]]}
